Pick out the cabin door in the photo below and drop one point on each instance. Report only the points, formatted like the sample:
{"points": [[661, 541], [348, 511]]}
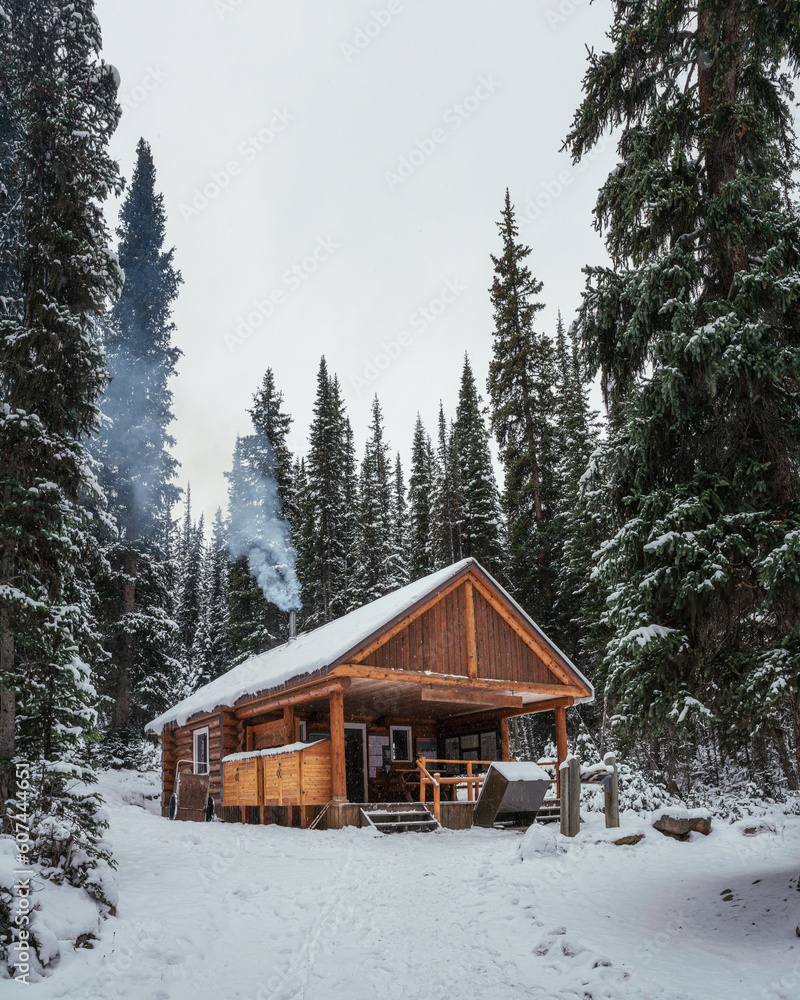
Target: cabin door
{"points": [[355, 760]]}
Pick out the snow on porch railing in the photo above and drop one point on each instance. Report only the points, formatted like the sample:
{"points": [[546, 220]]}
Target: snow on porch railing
{"points": [[472, 781]]}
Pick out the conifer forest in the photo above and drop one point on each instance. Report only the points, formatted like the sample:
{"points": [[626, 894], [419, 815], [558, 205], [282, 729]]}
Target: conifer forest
{"points": [[625, 463]]}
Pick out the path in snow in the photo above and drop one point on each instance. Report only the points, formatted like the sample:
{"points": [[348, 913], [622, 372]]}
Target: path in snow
{"points": [[268, 913]]}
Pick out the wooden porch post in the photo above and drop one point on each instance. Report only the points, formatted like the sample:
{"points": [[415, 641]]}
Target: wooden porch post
{"points": [[472, 646], [505, 745], [338, 775], [561, 742]]}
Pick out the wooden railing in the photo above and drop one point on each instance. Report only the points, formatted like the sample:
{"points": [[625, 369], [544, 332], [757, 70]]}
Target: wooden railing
{"points": [[437, 779]]}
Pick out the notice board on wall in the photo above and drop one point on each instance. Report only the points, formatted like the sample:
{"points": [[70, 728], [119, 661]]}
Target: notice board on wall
{"points": [[426, 747], [378, 749]]}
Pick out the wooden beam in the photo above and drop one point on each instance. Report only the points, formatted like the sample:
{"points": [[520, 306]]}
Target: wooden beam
{"points": [[320, 690], [472, 643], [561, 741], [505, 744], [338, 773], [471, 721], [405, 622], [451, 680], [544, 654], [457, 696]]}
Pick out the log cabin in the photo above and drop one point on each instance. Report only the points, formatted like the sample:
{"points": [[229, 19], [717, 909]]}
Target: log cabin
{"points": [[343, 715]]}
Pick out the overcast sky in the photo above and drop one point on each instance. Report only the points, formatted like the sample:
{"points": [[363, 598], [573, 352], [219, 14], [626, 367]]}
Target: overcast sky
{"points": [[333, 174]]}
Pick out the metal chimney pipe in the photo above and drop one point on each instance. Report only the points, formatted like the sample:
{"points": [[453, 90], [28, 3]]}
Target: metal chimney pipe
{"points": [[292, 625]]}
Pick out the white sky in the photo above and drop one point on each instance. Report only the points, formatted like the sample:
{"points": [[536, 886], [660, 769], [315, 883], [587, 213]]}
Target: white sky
{"points": [[292, 130]]}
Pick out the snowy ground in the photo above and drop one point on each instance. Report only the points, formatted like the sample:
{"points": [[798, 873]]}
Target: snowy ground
{"points": [[268, 913]]}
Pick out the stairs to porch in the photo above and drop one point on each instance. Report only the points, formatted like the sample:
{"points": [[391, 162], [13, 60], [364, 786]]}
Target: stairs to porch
{"points": [[399, 817], [549, 811]]}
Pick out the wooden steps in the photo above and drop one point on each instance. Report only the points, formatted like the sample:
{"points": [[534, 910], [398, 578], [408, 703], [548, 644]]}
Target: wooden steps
{"points": [[399, 817], [549, 811]]}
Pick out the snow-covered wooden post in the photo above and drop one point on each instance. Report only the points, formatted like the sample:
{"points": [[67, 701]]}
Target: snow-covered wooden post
{"points": [[570, 787], [612, 791]]}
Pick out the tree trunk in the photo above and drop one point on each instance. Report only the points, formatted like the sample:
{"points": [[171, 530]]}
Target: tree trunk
{"points": [[796, 721], [121, 714], [787, 766]]}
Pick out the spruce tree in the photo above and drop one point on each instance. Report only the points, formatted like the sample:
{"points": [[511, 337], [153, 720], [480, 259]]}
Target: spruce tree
{"points": [[445, 523], [137, 468], [480, 518], [212, 649], [322, 559], [376, 570], [249, 613], [400, 549], [521, 380], [420, 503], [695, 331], [189, 598], [61, 99]]}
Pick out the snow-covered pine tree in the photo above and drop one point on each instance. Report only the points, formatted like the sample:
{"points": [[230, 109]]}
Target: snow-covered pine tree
{"points": [[420, 503], [188, 600], [521, 380], [580, 515], [376, 569], [272, 426], [322, 554], [61, 100], [137, 468], [445, 524], [346, 599], [400, 549], [480, 517], [249, 612], [211, 641], [695, 330]]}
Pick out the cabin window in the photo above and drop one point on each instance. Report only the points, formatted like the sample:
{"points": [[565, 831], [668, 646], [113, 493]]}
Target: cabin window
{"points": [[303, 732], [200, 754], [400, 737]]}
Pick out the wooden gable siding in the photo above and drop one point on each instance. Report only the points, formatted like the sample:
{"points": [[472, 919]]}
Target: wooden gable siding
{"points": [[437, 641]]}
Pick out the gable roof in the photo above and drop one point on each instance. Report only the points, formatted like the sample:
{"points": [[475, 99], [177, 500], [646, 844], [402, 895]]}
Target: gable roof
{"points": [[316, 652]]}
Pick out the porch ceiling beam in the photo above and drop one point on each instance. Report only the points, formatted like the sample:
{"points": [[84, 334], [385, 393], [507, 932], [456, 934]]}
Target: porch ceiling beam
{"points": [[277, 703], [476, 720], [369, 672], [456, 696]]}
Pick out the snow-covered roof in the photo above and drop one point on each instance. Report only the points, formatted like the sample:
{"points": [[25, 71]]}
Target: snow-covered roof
{"points": [[270, 752], [312, 652]]}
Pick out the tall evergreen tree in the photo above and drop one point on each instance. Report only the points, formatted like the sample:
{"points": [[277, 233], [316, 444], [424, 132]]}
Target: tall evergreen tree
{"points": [[446, 521], [61, 99], [420, 503], [211, 645], [323, 555], [376, 570], [137, 468], [580, 513], [249, 613], [400, 549], [190, 558], [479, 502], [521, 379], [695, 330]]}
